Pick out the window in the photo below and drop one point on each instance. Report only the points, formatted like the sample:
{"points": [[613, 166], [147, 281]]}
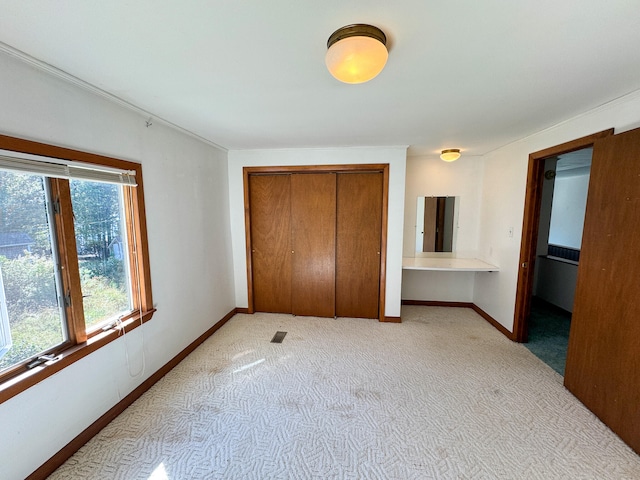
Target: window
{"points": [[33, 320], [102, 247], [74, 268]]}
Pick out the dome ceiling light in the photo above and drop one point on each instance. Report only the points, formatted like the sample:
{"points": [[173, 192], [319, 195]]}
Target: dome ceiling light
{"points": [[356, 53], [450, 155]]}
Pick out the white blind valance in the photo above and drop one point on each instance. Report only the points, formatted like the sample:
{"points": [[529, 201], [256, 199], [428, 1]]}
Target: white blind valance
{"points": [[59, 168]]}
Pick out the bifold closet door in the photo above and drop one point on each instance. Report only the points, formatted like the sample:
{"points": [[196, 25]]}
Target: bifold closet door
{"points": [[359, 236], [270, 200], [313, 229]]}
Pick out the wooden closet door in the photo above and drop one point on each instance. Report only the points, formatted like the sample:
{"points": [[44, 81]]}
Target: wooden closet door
{"points": [[313, 227], [604, 342], [359, 235], [270, 202]]}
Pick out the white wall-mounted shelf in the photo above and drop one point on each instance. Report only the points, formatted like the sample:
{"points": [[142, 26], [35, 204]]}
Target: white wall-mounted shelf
{"points": [[447, 264]]}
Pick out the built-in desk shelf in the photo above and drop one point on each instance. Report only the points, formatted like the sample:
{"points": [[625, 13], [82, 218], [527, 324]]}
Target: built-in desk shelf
{"points": [[447, 264]]}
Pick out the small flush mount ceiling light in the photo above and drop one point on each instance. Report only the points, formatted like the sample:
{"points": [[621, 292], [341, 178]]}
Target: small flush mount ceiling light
{"points": [[356, 53], [450, 155]]}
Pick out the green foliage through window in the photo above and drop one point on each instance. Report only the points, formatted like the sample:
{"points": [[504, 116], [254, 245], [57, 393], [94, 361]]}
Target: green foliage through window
{"points": [[31, 286], [101, 244]]}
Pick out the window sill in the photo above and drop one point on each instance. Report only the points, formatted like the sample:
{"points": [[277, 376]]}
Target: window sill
{"points": [[21, 382], [559, 259]]}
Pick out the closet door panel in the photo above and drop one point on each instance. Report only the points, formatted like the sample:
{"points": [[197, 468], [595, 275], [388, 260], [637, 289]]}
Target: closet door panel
{"points": [[270, 200], [313, 227], [359, 233]]}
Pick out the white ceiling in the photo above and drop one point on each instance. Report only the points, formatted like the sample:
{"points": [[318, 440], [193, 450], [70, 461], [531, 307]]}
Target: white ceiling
{"points": [[250, 73], [578, 159]]}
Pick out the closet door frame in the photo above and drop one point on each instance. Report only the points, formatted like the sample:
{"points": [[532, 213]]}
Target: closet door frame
{"points": [[378, 167]]}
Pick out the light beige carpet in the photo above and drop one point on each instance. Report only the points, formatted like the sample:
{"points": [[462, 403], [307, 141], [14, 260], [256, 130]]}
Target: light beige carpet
{"points": [[442, 395]]}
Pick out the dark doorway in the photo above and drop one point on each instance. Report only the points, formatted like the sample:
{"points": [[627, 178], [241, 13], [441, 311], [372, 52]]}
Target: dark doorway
{"points": [[562, 211], [531, 224]]}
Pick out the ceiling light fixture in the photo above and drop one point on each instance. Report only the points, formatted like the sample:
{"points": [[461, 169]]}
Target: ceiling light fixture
{"points": [[450, 155], [356, 53]]}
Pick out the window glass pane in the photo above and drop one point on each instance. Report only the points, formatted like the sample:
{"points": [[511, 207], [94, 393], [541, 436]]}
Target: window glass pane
{"points": [[30, 317], [101, 240]]}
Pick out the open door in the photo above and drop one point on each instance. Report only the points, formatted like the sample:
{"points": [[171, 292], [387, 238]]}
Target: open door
{"points": [[603, 357], [530, 224]]}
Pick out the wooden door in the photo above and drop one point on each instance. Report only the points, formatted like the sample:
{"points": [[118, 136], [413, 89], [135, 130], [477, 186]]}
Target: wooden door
{"points": [[603, 358], [440, 210], [313, 228], [429, 228], [358, 239], [270, 200]]}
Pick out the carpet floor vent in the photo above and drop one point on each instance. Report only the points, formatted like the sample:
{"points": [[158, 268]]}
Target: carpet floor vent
{"points": [[278, 337]]}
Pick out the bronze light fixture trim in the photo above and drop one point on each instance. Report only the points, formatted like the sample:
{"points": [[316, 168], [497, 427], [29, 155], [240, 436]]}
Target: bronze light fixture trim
{"points": [[357, 30]]}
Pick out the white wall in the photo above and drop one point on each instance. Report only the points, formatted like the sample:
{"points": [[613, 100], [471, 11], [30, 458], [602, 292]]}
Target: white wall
{"points": [[430, 176], [394, 156], [556, 282], [437, 286], [502, 205], [561, 220], [545, 218], [546, 205], [186, 193], [569, 205]]}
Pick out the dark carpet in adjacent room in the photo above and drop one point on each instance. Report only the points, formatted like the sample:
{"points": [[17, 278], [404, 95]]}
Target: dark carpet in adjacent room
{"points": [[549, 333]]}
